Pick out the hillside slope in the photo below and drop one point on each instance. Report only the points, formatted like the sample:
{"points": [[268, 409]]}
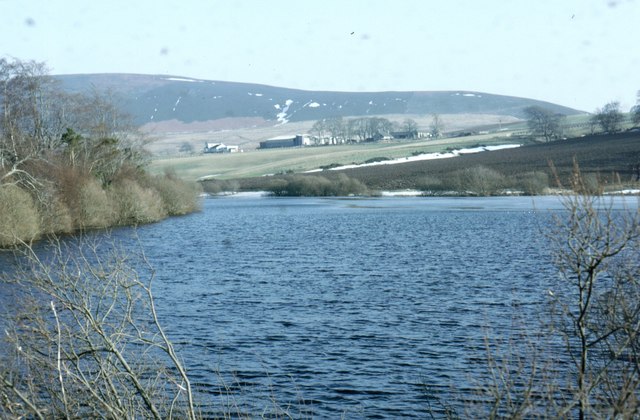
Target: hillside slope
{"points": [[156, 98]]}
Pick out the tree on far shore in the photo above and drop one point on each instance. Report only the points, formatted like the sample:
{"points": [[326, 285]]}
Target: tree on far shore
{"points": [[609, 117], [437, 126], [543, 122], [635, 111]]}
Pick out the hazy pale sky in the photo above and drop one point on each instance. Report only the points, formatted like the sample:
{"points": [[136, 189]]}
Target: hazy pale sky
{"points": [[578, 53]]}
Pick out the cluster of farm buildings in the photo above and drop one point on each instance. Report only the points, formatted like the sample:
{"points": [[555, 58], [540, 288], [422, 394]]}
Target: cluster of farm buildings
{"points": [[299, 140]]}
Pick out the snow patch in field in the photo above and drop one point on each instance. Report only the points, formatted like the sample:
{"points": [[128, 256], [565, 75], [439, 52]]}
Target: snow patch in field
{"points": [[624, 192], [401, 193], [177, 102], [426, 156]]}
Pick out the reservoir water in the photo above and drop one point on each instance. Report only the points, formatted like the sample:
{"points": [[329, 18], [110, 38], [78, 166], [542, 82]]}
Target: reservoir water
{"points": [[346, 308]]}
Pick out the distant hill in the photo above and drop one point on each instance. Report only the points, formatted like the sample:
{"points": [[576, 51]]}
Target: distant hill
{"points": [[156, 99]]}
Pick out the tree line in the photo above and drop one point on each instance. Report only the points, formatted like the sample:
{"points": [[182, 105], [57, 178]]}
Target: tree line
{"points": [[548, 125], [337, 130], [72, 161]]}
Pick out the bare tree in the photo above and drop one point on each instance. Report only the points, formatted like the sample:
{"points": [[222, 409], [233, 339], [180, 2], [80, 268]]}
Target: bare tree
{"points": [[437, 126], [336, 129], [597, 253], [582, 360], [83, 340], [31, 110], [37, 117], [543, 122], [635, 111], [596, 250], [372, 128], [332, 129], [97, 114], [30, 120], [409, 125], [609, 117]]}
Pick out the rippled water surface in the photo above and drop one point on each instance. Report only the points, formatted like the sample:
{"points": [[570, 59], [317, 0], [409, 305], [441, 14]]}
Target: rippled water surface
{"points": [[354, 307]]}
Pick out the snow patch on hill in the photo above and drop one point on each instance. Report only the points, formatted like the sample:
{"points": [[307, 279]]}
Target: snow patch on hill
{"points": [[181, 79], [282, 115]]}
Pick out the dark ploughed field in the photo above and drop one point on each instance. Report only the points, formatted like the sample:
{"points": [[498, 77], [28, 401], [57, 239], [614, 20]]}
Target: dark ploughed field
{"points": [[608, 156], [612, 158]]}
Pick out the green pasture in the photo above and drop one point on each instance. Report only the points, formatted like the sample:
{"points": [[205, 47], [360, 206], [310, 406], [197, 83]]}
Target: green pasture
{"points": [[300, 159]]}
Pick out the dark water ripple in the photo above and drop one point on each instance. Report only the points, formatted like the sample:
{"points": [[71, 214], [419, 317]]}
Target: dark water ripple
{"points": [[332, 308], [345, 307]]}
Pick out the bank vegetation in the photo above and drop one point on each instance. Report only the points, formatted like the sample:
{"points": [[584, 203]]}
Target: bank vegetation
{"points": [[71, 162]]}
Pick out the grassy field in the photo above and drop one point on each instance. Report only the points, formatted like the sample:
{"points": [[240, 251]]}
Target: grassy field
{"points": [[275, 161], [255, 162]]}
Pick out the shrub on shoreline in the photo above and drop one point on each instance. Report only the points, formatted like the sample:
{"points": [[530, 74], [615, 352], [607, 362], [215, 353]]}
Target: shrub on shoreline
{"points": [[316, 186], [177, 197], [91, 206], [19, 219]]}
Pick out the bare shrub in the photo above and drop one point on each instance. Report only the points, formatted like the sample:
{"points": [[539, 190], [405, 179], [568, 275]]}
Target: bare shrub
{"points": [[301, 185], [345, 185], [532, 183], [276, 186], [95, 209], [589, 184], [135, 204], [68, 181], [591, 335], [316, 186], [430, 183], [54, 214], [597, 251], [478, 180], [20, 220], [218, 186], [178, 197], [82, 339]]}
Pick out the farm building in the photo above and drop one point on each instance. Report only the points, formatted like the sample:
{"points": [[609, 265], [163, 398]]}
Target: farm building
{"points": [[404, 135], [219, 148], [297, 140]]}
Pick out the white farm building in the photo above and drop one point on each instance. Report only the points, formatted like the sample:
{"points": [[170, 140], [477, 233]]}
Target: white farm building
{"points": [[219, 148]]}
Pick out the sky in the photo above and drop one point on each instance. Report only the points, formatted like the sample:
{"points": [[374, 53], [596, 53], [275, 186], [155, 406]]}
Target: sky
{"points": [[577, 53]]}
